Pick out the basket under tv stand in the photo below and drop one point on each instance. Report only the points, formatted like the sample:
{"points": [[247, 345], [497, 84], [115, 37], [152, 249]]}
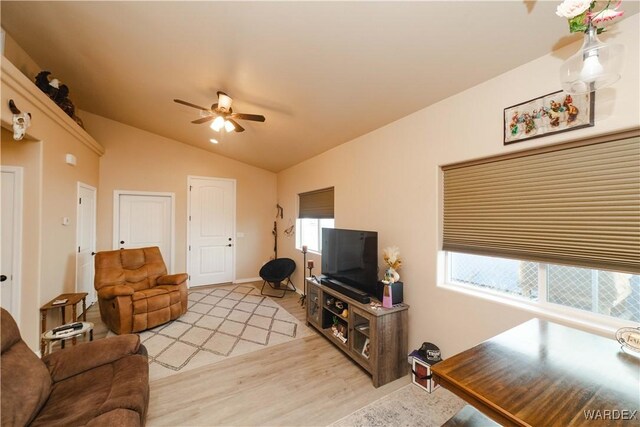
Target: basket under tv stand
{"points": [[375, 339]]}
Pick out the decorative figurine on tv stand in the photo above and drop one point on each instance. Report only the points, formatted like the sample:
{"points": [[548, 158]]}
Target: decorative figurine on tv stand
{"points": [[392, 258]]}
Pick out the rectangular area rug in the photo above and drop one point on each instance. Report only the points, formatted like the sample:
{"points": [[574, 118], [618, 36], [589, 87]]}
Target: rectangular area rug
{"points": [[221, 322], [406, 407]]}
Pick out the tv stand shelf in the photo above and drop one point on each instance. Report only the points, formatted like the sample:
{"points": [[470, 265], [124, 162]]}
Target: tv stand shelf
{"points": [[375, 339]]}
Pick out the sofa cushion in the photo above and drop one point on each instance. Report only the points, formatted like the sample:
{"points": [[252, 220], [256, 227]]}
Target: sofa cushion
{"points": [[25, 379], [123, 384], [149, 293], [89, 355], [117, 417], [137, 268], [150, 300]]}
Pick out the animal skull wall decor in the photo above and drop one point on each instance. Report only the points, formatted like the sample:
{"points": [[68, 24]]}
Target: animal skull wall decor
{"points": [[21, 121]]}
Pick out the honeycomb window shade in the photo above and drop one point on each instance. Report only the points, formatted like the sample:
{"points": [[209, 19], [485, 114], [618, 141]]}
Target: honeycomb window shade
{"points": [[576, 203], [316, 204]]}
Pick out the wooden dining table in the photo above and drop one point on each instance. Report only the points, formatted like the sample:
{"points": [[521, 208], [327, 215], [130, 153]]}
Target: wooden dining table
{"points": [[541, 373]]}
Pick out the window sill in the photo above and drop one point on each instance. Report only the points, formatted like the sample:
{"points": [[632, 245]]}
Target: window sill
{"points": [[591, 322]]}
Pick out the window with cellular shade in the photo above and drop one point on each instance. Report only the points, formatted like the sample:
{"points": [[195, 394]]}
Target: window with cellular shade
{"points": [[316, 204], [576, 203]]}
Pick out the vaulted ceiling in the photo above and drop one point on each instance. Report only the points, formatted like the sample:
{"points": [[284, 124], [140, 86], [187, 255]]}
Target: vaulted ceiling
{"points": [[322, 73]]}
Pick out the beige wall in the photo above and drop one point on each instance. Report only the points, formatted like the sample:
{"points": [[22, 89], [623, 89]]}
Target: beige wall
{"points": [[388, 181], [51, 265], [142, 161], [21, 59]]}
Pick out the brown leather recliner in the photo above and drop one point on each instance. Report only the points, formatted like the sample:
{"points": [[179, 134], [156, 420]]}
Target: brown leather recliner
{"points": [[99, 383], [134, 291]]}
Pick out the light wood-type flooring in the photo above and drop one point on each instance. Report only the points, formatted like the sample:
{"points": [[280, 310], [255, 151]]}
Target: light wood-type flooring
{"points": [[305, 382]]}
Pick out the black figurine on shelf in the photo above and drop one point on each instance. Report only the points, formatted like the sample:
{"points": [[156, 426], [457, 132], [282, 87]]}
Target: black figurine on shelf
{"points": [[303, 297]]}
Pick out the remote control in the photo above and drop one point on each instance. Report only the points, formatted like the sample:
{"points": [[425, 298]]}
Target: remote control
{"points": [[69, 326]]}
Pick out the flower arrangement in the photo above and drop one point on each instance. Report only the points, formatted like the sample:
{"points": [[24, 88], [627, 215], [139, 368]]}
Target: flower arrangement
{"points": [[391, 256], [582, 13]]}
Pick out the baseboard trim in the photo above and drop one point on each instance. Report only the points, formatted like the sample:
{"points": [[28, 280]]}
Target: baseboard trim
{"points": [[250, 279]]}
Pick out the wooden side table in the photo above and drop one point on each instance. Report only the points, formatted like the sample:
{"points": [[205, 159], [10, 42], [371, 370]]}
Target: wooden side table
{"points": [[72, 300]]}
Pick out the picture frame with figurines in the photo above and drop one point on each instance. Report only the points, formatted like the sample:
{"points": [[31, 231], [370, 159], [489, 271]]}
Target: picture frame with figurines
{"points": [[553, 113]]}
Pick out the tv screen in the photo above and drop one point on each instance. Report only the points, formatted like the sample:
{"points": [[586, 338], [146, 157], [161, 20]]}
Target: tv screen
{"points": [[351, 257]]}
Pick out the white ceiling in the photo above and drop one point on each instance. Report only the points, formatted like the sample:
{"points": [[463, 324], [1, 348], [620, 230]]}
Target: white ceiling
{"points": [[322, 73]]}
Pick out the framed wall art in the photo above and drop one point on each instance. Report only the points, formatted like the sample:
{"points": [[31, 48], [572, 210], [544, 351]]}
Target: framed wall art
{"points": [[546, 115]]}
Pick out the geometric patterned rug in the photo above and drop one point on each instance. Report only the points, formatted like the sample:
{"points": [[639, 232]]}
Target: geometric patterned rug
{"points": [[221, 322]]}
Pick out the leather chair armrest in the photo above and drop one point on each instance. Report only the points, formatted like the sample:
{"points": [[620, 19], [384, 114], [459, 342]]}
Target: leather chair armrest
{"points": [[172, 279], [110, 292], [85, 356]]}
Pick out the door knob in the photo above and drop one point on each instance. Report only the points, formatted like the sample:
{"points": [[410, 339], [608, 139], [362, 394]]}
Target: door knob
{"points": [[122, 242], [229, 238], [93, 253], [229, 245], [3, 278]]}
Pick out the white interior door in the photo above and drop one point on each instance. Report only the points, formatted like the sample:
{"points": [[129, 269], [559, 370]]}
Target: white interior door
{"points": [[145, 219], [86, 241], [11, 238], [212, 206]]}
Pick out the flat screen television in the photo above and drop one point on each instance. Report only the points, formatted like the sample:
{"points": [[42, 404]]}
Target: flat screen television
{"points": [[351, 257]]}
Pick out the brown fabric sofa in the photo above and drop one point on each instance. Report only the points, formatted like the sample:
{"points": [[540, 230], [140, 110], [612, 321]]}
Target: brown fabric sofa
{"points": [[99, 383], [134, 291]]}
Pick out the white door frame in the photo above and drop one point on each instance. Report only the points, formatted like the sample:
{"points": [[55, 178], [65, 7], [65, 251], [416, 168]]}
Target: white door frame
{"points": [[18, 172], [116, 218], [95, 228], [235, 243]]}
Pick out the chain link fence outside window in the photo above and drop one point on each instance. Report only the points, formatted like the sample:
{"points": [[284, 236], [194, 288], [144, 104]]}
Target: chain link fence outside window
{"points": [[604, 292]]}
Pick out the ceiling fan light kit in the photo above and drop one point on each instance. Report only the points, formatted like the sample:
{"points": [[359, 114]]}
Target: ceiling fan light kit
{"points": [[221, 115], [218, 123]]}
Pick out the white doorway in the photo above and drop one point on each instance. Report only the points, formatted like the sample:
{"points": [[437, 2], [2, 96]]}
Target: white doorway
{"points": [[211, 230], [86, 241], [143, 219], [11, 238]]}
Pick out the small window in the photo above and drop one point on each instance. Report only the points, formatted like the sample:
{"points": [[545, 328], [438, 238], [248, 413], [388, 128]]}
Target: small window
{"points": [[309, 232], [315, 212]]}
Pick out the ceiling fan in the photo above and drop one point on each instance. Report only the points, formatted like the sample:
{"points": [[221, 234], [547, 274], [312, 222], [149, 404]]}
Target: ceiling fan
{"points": [[222, 114]]}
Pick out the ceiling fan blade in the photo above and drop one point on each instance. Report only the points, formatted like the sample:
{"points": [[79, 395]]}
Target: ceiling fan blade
{"points": [[214, 106], [237, 126], [188, 104], [253, 117], [203, 120]]}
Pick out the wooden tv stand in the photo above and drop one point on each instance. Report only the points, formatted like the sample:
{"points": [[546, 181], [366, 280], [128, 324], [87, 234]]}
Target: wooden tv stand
{"points": [[384, 330]]}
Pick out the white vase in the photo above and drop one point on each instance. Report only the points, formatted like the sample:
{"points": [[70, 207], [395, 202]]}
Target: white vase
{"points": [[392, 275]]}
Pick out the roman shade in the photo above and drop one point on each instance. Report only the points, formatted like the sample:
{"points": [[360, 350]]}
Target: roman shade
{"points": [[316, 204], [576, 203]]}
